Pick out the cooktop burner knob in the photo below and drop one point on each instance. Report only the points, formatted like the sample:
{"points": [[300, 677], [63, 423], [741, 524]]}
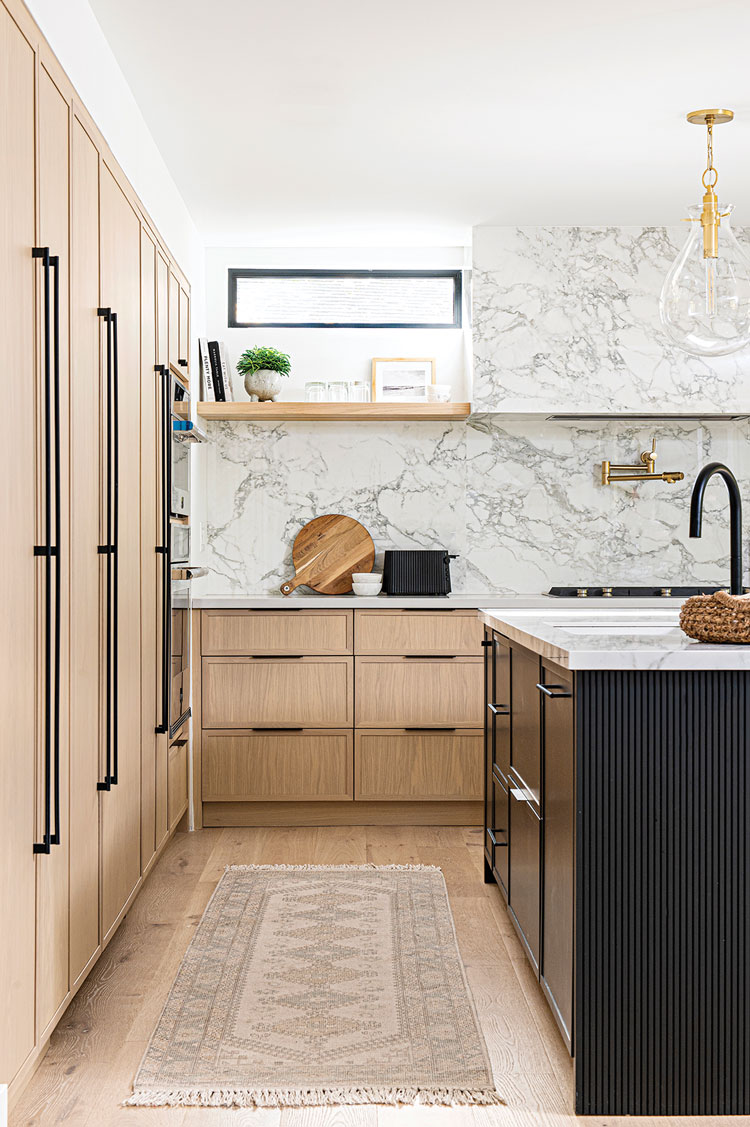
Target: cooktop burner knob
{"points": [[607, 592], [582, 592], [665, 592]]}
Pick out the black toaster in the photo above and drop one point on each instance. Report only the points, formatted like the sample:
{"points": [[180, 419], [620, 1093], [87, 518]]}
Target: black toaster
{"points": [[417, 572]]}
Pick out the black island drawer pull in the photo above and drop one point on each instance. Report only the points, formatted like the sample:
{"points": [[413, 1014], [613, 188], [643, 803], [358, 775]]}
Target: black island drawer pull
{"points": [[430, 657], [547, 690], [499, 709], [492, 835], [423, 729]]}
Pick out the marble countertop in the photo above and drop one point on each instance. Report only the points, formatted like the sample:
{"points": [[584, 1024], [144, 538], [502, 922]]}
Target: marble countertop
{"points": [[616, 638], [299, 600]]}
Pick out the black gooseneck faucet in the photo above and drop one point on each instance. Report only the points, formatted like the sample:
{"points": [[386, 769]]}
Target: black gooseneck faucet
{"points": [[735, 515]]}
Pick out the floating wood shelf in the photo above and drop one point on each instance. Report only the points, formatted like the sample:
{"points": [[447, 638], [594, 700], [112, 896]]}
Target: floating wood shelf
{"points": [[334, 412]]}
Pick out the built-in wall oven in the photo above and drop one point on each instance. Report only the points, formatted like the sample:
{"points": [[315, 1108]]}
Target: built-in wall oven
{"points": [[177, 435]]}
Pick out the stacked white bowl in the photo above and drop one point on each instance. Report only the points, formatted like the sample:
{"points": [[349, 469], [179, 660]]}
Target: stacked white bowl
{"points": [[367, 583]]}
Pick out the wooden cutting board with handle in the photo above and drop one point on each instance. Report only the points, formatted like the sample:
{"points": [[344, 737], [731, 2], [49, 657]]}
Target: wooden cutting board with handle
{"points": [[326, 552]]}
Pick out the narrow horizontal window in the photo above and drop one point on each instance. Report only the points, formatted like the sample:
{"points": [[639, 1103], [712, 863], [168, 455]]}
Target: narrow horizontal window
{"points": [[345, 299]]}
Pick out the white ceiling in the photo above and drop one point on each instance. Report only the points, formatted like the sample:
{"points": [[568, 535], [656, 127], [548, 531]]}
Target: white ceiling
{"points": [[332, 122]]}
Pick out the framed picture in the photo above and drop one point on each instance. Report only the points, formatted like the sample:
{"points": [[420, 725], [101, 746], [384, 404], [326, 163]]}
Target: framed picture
{"points": [[401, 379]]}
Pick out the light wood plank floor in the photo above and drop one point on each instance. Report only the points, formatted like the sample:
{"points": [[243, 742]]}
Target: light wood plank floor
{"points": [[95, 1051]]}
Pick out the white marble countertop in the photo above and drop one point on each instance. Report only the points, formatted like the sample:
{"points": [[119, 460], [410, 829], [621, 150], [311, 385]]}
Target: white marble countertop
{"points": [[622, 637], [299, 600]]}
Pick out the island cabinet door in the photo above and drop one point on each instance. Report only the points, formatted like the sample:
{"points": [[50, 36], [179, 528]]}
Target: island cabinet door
{"points": [[525, 752], [558, 725]]}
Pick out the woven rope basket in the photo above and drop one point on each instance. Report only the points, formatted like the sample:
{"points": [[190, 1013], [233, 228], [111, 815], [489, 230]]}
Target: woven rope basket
{"points": [[717, 618]]}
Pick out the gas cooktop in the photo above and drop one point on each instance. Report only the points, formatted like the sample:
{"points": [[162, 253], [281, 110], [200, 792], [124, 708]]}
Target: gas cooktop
{"points": [[629, 592]]}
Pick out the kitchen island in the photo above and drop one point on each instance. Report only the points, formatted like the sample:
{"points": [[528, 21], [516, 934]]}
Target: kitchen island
{"points": [[616, 819]]}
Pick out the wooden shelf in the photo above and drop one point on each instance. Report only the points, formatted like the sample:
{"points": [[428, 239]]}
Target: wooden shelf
{"points": [[334, 412]]}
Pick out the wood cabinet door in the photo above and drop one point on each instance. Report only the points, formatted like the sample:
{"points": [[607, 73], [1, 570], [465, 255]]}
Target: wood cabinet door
{"points": [[426, 766], [151, 561], [183, 359], [177, 782], [86, 564], [53, 186], [396, 632], [307, 692], [161, 824], [559, 843], [19, 796], [499, 706], [526, 730], [174, 322], [277, 766], [420, 692], [525, 872], [121, 805], [260, 632]]}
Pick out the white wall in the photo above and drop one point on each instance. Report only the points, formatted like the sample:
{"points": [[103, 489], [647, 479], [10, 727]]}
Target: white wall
{"points": [[73, 33], [336, 354]]}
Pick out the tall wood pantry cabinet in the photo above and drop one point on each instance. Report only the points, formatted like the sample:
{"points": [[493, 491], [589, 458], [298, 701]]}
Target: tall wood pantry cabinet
{"points": [[85, 325]]}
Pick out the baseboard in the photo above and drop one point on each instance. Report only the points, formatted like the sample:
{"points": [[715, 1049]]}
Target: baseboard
{"points": [[217, 814]]}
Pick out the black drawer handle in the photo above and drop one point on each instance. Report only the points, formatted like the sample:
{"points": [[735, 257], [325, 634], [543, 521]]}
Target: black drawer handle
{"points": [[277, 657], [407, 729], [499, 709], [430, 657], [277, 729], [182, 363], [547, 690], [491, 835]]}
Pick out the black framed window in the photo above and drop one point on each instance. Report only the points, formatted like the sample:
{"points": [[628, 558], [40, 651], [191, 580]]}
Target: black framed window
{"points": [[345, 299]]}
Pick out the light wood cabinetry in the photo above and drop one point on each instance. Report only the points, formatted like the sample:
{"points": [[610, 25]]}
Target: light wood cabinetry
{"points": [[392, 734], [455, 632], [177, 782], [419, 692], [401, 765], [83, 791], [306, 632], [309, 692], [19, 818], [277, 766], [179, 326]]}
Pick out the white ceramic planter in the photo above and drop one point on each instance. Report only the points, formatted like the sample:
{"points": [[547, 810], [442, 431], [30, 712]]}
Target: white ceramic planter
{"points": [[264, 383]]}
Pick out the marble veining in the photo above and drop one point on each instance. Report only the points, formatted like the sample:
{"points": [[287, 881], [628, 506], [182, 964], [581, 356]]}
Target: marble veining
{"points": [[566, 319], [521, 503]]}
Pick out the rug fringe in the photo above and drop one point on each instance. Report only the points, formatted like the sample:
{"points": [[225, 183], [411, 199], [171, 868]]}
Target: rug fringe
{"points": [[333, 868], [311, 1097]]}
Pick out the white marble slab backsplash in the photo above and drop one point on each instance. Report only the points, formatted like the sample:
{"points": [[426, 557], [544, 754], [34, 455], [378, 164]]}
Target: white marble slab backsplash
{"points": [[566, 319], [521, 503]]}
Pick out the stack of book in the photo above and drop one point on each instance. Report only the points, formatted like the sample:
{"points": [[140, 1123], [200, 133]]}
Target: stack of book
{"points": [[217, 384]]}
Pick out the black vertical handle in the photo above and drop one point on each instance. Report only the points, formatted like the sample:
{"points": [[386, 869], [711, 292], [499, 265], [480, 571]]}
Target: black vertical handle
{"points": [[164, 549], [106, 550], [55, 266], [46, 550], [115, 548]]}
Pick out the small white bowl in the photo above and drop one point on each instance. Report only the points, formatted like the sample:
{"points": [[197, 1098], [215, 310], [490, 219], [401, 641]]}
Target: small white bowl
{"points": [[367, 577], [367, 590]]}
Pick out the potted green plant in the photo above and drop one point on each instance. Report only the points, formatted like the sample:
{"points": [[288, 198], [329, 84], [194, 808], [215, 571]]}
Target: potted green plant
{"points": [[263, 369]]}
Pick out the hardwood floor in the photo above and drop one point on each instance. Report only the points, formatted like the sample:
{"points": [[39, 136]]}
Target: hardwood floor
{"points": [[96, 1049]]}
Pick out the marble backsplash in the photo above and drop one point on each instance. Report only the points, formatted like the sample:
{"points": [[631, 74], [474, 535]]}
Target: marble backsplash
{"points": [[566, 319], [520, 502]]}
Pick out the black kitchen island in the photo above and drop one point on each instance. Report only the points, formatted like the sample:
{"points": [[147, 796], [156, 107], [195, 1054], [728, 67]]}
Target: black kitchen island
{"points": [[617, 819]]}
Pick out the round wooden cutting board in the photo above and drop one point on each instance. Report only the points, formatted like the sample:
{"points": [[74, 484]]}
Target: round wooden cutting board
{"points": [[326, 552]]}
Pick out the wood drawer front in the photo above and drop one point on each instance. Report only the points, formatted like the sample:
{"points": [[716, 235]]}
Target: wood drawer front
{"points": [[309, 692], [399, 632], [421, 766], [177, 792], [317, 632], [399, 692], [277, 766]]}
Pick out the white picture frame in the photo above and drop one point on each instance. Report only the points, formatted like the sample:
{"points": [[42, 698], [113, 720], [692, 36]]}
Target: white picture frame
{"points": [[402, 379]]}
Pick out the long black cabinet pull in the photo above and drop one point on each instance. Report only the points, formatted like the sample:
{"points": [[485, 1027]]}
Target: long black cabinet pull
{"points": [[55, 267], [547, 690], [164, 549], [115, 548], [46, 549], [106, 550]]}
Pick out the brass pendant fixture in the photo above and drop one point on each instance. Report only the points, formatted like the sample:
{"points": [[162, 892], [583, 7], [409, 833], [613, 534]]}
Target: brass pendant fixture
{"points": [[705, 300]]}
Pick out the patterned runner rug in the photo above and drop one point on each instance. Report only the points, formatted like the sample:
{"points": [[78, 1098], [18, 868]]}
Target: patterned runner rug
{"points": [[313, 985]]}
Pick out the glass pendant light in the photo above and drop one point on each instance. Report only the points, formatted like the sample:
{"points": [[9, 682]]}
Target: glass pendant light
{"points": [[705, 300]]}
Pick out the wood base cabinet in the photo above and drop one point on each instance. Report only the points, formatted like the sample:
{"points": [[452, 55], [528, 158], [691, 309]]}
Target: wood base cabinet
{"points": [[629, 881], [75, 337], [369, 716]]}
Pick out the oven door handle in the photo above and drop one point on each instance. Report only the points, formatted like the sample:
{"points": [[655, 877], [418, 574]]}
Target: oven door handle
{"points": [[164, 549]]}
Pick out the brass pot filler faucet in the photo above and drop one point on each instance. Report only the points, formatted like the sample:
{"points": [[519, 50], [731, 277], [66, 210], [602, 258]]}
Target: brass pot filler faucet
{"points": [[644, 470]]}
